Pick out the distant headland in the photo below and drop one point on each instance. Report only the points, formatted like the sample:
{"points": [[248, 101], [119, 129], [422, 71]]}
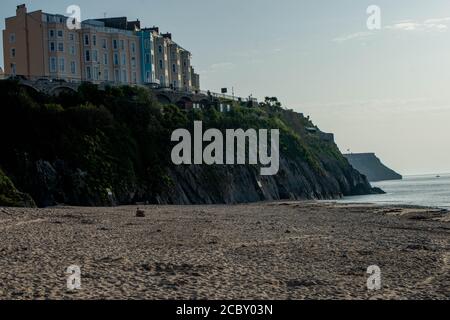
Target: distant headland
{"points": [[371, 166]]}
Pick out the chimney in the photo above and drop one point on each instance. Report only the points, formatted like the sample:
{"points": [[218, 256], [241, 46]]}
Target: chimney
{"points": [[167, 35], [21, 10], [155, 29]]}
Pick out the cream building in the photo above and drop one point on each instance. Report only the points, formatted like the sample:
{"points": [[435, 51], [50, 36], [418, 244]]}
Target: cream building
{"points": [[174, 65], [109, 54], [195, 80], [162, 60], [185, 65]]}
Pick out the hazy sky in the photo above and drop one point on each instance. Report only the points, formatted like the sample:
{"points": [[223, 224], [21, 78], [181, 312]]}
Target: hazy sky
{"points": [[385, 91]]}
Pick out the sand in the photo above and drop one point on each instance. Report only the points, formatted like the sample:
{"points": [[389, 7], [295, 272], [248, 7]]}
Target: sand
{"points": [[292, 250]]}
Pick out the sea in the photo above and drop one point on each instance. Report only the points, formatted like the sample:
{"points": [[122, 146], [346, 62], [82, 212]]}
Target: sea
{"points": [[427, 190]]}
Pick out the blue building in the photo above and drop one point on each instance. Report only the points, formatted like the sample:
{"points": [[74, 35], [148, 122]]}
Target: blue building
{"points": [[148, 73]]}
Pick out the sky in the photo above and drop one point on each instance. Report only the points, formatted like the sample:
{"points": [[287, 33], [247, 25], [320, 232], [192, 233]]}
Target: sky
{"points": [[385, 91]]}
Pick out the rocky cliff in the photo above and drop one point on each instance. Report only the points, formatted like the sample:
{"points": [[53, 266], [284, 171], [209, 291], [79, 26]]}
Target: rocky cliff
{"points": [[95, 148], [371, 166]]}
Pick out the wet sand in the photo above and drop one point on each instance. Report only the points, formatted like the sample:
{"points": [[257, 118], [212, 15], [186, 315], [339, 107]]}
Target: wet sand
{"points": [[292, 250]]}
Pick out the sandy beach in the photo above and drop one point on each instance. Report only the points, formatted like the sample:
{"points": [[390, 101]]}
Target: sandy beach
{"points": [[292, 250]]}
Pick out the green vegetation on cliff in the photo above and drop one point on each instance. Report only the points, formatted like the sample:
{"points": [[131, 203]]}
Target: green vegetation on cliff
{"points": [[10, 196], [76, 147]]}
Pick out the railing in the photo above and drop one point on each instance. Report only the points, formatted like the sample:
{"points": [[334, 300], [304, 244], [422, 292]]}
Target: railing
{"points": [[228, 97], [47, 79], [165, 88]]}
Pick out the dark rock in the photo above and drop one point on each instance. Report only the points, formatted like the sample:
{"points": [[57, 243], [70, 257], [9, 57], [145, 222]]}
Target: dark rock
{"points": [[140, 213], [377, 191]]}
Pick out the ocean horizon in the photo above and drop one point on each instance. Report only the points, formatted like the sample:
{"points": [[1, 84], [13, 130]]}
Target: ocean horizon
{"points": [[428, 190]]}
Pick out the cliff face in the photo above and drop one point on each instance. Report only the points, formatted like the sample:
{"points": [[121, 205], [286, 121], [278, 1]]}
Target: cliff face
{"points": [[98, 148], [295, 181], [52, 183], [369, 165]]}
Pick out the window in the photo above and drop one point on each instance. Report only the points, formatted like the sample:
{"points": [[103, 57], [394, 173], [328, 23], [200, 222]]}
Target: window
{"points": [[104, 44], [147, 44], [51, 33], [122, 44], [52, 64], [160, 49], [115, 44], [13, 52], [86, 39], [117, 75], [96, 73], [148, 77], [124, 59], [174, 68], [89, 73], [60, 34], [116, 59], [95, 55], [133, 47], [88, 56], [147, 58], [133, 62], [106, 75], [72, 50], [73, 67], [62, 65], [12, 38], [160, 64], [105, 58], [52, 47], [13, 69], [61, 47], [94, 40], [124, 75], [134, 77], [71, 37]]}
